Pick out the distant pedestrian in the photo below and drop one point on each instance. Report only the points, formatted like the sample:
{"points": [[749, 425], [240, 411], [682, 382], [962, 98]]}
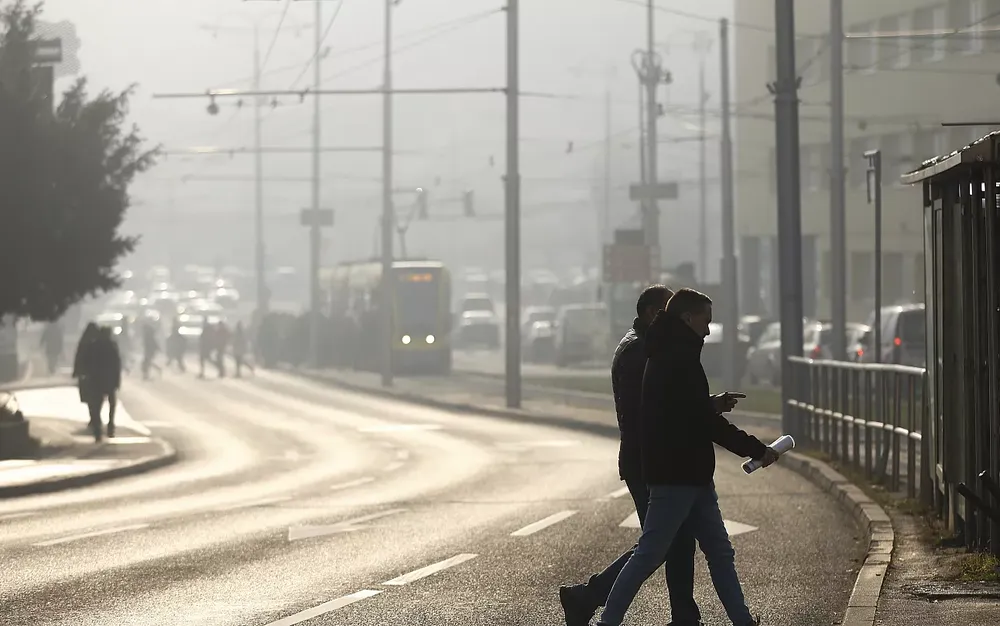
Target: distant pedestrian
{"points": [[88, 336], [205, 345], [176, 348], [240, 351], [102, 375], [52, 343], [150, 348], [580, 602], [221, 344], [680, 423]]}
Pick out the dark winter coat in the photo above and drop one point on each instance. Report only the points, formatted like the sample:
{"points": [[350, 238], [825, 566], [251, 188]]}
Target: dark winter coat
{"points": [[101, 368], [679, 421], [627, 369]]}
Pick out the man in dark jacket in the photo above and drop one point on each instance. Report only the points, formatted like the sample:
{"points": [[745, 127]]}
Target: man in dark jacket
{"points": [[580, 602], [680, 421], [102, 369]]}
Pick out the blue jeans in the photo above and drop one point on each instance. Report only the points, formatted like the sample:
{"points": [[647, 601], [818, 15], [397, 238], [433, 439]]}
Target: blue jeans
{"points": [[670, 507], [679, 565]]}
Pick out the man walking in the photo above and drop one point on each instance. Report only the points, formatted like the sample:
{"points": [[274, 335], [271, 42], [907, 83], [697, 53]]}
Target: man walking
{"points": [[580, 602], [680, 421]]}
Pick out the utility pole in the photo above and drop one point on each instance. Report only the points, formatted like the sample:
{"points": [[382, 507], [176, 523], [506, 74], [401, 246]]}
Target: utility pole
{"points": [[701, 47], [259, 250], [786, 105], [388, 212], [874, 180], [607, 166], [731, 313], [651, 221], [512, 230], [838, 217], [314, 226]]}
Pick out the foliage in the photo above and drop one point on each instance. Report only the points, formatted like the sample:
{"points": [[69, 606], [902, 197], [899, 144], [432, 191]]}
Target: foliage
{"points": [[64, 180]]}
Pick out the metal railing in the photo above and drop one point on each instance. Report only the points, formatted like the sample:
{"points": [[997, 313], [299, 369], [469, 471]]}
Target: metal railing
{"points": [[868, 416]]}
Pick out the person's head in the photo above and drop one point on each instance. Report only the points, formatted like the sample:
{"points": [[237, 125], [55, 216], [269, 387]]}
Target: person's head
{"points": [[90, 330], [651, 301], [105, 333], [693, 308]]}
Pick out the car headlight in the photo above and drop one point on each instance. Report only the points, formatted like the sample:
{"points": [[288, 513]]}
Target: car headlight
{"points": [[429, 338], [406, 340]]}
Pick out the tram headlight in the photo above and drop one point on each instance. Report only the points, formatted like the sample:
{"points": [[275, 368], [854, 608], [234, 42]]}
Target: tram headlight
{"points": [[406, 340], [429, 339]]}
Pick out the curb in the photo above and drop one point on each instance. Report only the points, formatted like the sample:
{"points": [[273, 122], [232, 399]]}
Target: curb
{"points": [[167, 456], [869, 515]]}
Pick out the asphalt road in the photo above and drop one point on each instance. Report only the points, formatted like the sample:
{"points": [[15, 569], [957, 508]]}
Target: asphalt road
{"points": [[492, 362], [297, 503]]}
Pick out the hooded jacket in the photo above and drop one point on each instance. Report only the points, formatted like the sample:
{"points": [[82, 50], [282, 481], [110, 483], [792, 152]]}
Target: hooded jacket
{"points": [[627, 369], [679, 421]]}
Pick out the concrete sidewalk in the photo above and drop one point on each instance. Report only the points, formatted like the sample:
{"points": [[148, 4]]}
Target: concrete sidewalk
{"points": [[900, 591], [68, 456]]}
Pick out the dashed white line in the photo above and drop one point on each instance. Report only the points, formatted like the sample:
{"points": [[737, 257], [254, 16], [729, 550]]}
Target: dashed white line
{"points": [[632, 521], [393, 428], [352, 483], [96, 533], [17, 515], [617, 493], [308, 532], [402, 455], [392, 467], [430, 570], [326, 607], [542, 524], [252, 503]]}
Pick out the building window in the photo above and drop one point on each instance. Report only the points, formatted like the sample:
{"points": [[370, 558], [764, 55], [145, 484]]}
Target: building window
{"points": [[977, 17], [862, 50], [965, 17], [812, 165], [862, 275], [904, 42], [939, 24]]}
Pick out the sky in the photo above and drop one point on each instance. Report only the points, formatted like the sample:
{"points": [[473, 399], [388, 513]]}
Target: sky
{"points": [[572, 52]]}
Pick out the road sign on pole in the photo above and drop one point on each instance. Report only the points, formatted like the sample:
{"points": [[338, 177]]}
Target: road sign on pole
{"points": [[322, 218], [47, 51], [658, 191], [627, 263]]}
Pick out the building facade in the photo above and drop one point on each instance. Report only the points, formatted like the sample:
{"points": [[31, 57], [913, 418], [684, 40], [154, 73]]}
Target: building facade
{"points": [[909, 67]]}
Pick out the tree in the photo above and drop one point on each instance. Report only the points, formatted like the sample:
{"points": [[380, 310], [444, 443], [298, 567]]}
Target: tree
{"points": [[64, 181]]}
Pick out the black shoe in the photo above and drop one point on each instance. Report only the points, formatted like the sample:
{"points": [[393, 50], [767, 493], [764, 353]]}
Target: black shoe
{"points": [[576, 605], [111, 431]]}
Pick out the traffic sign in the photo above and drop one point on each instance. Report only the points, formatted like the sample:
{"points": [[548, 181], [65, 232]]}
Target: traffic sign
{"points": [[47, 51], [659, 191], [627, 263], [317, 217]]}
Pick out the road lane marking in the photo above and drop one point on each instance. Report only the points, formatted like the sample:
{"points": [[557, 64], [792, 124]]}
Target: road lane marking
{"points": [[737, 528], [399, 428], [17, 515], [617, 493], [252, 503], [402, 455], [542, 524], [392, 467], [733, 528], [352, 483], [326, 607], [96, 533], [297, 533], [632, 521], [430, 570]]}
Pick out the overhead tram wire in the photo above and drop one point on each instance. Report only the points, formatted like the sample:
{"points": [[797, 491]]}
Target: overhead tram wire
{"points": [[710, 18], [326, 33], [274, 38]]}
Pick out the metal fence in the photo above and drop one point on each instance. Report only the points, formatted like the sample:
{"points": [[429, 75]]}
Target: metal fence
{"points": [[867, 416]]}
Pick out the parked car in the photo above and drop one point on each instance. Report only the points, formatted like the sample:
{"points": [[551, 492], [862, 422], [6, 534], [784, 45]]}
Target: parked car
{"points": [[477, 324], [763, 363], [904, 336], [583, 333], [819, 339], [713, 352], [538, 337]]}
